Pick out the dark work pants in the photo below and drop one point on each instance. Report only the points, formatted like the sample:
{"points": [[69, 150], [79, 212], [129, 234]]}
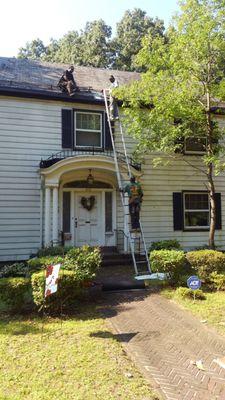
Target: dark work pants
{"points": [[134, 210]]}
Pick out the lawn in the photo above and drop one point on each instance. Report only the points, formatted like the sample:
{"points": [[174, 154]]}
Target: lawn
{"points": [[76, 358], [211, 310]]}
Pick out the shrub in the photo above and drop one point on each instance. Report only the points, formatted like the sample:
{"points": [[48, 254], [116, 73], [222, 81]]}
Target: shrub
{"points": [[68, 290], [204, 262], [172, 261], [182, 279], [16, 269], [165, 245], [217, 280], [186, 293], [15, 292], [83, 261], [53, 251], [35, 264], [78, 267]]}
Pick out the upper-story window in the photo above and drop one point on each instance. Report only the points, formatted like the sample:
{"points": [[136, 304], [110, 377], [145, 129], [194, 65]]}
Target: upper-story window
{"points": [[195, 145], [88, 129]]}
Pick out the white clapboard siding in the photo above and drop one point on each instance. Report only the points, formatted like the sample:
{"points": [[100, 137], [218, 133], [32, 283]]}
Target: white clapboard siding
{"points": [[158, 185], [29, 130]]}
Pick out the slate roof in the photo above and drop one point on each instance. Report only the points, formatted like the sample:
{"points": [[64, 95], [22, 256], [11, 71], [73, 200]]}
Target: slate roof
{"points": [[23, 75]]}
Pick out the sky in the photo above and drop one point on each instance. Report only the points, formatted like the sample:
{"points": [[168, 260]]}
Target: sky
{"points": [[25, 20]]}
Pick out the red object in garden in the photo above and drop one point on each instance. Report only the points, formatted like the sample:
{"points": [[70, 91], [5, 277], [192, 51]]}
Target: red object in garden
{"points": [[51, 284]]}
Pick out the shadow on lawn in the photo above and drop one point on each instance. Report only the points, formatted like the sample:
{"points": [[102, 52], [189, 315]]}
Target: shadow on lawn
{"points": [[17, 326], [119, 337]]}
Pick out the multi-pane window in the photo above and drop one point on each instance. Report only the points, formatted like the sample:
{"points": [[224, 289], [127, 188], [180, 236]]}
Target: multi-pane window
{"points": [[195, 145], [88, 129], [196, 210]]}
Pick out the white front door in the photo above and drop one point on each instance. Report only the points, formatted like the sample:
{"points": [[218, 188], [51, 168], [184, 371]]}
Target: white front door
{"points": [[88, 219]]}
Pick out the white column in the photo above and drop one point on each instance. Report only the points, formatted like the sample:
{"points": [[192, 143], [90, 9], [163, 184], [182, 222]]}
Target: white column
{"points": [[55, 234], [126, 220], [47, 215]]}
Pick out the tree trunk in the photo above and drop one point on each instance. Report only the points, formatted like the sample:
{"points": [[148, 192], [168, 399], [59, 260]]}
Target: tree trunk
{"points": [[211, 186], [212, 207], [210, 132]]}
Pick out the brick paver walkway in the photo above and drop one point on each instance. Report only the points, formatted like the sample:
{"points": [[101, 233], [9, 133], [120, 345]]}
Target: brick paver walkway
{"points": [[165, 341]]}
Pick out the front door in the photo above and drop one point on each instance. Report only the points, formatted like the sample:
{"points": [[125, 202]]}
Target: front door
{"points": [[88, 221]]}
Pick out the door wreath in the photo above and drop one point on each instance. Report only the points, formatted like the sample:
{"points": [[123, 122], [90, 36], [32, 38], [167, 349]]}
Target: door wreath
{"points": [[88, 202]]}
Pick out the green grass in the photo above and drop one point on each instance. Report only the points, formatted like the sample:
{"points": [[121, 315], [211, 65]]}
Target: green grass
{"points": [[211, 309], [78, 358]]}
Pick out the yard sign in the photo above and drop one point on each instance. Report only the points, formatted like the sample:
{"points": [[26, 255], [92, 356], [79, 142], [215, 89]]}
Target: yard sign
{"points": [[51, 284]]}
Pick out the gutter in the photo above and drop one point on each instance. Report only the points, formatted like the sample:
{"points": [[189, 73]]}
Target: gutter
{"points": [[81, 97]]}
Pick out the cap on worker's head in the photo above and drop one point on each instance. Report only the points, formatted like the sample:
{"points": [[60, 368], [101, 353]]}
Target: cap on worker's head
{"points": [[72, 67], [132, 178], [111, 78]]}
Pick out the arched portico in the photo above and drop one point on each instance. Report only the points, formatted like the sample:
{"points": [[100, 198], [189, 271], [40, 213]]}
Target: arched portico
{"points": [[86, 213]]}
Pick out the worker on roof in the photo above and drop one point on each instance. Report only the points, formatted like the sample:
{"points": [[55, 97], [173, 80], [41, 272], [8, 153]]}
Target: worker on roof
{"points": [[113, 108], [135, 194], [67, 82]]}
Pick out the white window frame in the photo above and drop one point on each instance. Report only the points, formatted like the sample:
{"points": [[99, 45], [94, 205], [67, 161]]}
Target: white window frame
{"points": [[195, 227], [194, 151], [87, 130]]}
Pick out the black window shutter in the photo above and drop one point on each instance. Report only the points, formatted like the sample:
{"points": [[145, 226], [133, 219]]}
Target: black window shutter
{"points": [[177, 212], [218, 211], [108, 140], [67, 129]]}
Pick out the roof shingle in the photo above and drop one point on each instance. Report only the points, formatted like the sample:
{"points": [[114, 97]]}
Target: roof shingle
{"points": [[36, 75]]}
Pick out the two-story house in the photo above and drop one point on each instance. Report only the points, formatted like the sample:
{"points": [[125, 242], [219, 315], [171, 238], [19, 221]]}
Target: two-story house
{"points": [[57, 171]]}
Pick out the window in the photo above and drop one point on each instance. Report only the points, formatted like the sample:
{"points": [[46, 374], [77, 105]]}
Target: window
{"points": [[194, 145], [196, 210], [88, 129]]}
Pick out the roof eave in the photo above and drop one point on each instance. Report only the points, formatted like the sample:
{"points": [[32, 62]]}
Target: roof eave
{"points": [[88, 98]]}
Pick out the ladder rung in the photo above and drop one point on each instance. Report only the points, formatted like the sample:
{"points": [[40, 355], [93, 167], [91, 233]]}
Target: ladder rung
{"points": [[143, 272], [141, 262]]}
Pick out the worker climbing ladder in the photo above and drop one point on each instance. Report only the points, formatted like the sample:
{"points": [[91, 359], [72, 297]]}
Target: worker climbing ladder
{"points": [[136, 239]]}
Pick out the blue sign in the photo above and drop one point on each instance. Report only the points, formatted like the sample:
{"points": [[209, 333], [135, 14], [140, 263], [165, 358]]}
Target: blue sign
{"points": [[194, 282]]}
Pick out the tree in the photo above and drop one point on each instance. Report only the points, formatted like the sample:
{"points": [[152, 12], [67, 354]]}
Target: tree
{"points": [[133, 27], [89, 47], [50, 51], [95, 44], [69, 49], [182, 88], [34, 50]]}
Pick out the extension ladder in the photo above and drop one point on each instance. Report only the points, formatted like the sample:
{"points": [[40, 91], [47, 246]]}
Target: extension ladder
{"points": [[136, 240]]}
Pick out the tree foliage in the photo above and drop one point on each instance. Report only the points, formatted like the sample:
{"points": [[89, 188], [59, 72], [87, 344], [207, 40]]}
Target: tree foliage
{"points": [[133, 27], [94, 45], [183, 85], [34, 50]]}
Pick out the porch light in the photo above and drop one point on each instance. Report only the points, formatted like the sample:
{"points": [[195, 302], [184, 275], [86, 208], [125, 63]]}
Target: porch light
{"points": [[90, 178]]}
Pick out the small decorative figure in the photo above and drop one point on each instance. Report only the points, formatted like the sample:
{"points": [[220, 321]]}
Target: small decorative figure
{"points": [[135, 194]]}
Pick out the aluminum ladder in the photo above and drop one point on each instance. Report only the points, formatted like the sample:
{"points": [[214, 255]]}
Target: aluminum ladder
{"points": [[136, 240]]}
